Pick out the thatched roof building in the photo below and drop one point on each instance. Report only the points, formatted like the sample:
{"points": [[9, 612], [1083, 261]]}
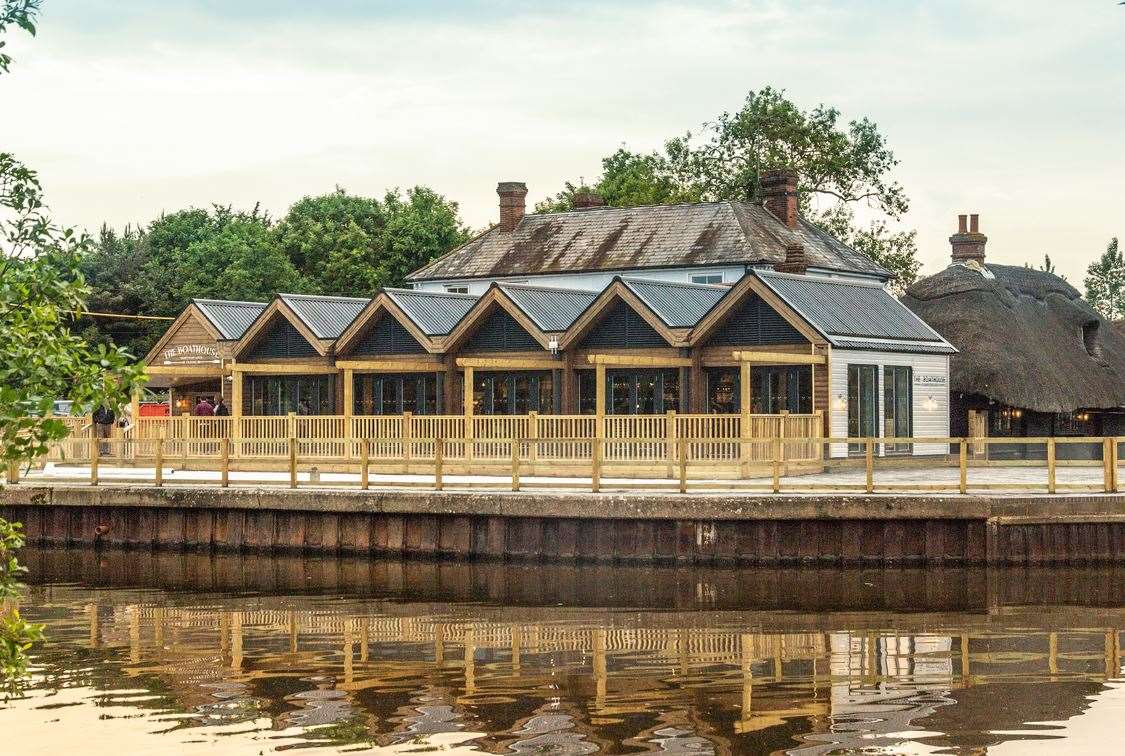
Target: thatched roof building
{"points": [[1025, 338]]}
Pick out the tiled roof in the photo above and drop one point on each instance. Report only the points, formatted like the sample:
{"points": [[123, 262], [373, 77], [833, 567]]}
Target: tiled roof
{"points": [[657, 236], [326, 317], [552, 309], [849, 312], [679, 305], [435, 313], [230, 318]]}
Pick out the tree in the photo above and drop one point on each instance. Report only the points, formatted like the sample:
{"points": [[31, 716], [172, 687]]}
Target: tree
{"points": [[41, 287], [353, 245], [838, 165], [1047, 267], [112, 271], [1105, 283]]}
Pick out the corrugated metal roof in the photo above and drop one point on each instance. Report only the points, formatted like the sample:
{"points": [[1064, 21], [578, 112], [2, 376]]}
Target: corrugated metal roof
{"points": [[552, 309], [843, 309], [679, 305], [435, 313], [231, 318], [628, 238], [326, 317], [911, 347]]}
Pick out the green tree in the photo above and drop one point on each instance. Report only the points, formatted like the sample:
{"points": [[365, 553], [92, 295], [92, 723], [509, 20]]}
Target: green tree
{"points": [[111, 270], [41, 287], [353, 245], [1105, 283], [838, 165]]}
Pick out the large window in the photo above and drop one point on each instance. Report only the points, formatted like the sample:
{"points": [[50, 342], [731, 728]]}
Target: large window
{"points": [[898, 406], [775, 388], [516, 393], [396, 393], [632, 392], [282, 394], [863, 404]]}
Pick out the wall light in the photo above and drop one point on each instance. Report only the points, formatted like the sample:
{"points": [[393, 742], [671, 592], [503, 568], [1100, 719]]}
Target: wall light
{"points": [[929, 404], [839, 402]]}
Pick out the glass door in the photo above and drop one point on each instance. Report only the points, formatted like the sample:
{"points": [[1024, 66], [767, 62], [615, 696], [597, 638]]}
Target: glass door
{"points": [[863, 404], [898, 407]]}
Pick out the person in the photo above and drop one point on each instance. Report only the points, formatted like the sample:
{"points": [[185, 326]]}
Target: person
{"points": [[221, 409], [204, 408], [104, 418], [303, 408]]}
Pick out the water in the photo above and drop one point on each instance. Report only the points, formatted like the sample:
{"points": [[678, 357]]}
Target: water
{"points": [[182, 654]]}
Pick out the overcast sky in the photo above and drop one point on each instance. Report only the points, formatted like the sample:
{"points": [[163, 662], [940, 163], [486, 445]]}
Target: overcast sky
{"points": [[1012, 108]]}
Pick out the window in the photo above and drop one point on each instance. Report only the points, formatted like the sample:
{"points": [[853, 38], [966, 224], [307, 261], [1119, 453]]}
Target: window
{"points": [[863, 404], [775, 389], [513, 393], [1005, 421], [898, 407], [1075, 424], [707, 278], [458, 289], [280, 395], [396, 393], [631, 392]]}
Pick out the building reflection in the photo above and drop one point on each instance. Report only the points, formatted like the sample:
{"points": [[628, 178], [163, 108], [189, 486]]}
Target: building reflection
{"points": [[530, 679]]}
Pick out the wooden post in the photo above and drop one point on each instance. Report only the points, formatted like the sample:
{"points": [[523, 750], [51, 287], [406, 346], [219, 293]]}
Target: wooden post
{"points": [[776, 456], [515, 464], [349, 412], [236, 410], [783, 433], [1107, 466], [364, 464], [745, 404], [869, 454], [1051, 486], [533, 437], [468, 414], [160, 459], [670, 433], [439, 458], [95, 452], [682, 446], [13, 473], [596, 464], [292, 461], [407, 437], [1113, 459], [963, 466], [224, 475], [599, 400], [185, 435]]}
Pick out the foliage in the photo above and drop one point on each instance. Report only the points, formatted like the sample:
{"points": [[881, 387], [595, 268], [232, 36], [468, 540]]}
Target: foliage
{"points": [[1105, 282], [16, 635], [897, 251], [20, 13], [1047, 267], [837, 164]]}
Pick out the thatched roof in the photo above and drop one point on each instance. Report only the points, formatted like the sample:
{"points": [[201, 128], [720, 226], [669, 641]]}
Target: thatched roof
{"points": [[1025, 338]]}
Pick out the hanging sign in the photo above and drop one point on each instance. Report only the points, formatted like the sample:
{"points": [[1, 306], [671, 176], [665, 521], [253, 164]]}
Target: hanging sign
{"points": [[191, 354]]}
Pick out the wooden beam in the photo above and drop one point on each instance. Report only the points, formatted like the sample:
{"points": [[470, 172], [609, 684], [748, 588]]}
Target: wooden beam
{"points": [[626, 360], [285, 368], [391, 366], [780, 358], [506, 363]]}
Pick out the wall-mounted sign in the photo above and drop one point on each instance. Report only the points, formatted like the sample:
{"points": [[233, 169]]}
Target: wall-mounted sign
{"points": [[191, 354], [929, 379]]}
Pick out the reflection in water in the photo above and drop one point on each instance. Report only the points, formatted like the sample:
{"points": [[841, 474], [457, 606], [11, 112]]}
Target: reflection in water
{"points": [[251, 654]]}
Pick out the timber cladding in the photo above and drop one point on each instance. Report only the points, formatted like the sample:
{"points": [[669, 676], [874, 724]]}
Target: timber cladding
{"points": [[880, 530]]}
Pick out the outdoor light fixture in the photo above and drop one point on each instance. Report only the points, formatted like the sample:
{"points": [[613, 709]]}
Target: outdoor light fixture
{"points": [[839, 402], [553, 345], [930, 404]]}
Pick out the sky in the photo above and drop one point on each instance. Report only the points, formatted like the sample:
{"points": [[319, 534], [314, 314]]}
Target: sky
{"points": [[1014, 109]]}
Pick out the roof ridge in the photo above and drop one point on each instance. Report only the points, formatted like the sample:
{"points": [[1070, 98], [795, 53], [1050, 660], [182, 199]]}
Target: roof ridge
{"points": [[335, 297], [424, 293], [682, 284], [541, 287], [205, 300]]}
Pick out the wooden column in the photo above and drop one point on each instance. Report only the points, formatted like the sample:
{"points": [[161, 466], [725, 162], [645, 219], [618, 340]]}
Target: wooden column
{"points": [[698, 391], [467, 410], [449, 387], [569, 386], [349, 411], [236, 409], [745, 400], [599, 400]]}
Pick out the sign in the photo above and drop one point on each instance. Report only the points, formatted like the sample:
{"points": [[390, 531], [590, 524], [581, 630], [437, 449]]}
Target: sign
{"points": [[191, 354], [931, 379]]}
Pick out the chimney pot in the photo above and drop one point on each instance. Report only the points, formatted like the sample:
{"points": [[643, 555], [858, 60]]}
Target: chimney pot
{"points": [[513, 196], [968, 243], [779, 194]]}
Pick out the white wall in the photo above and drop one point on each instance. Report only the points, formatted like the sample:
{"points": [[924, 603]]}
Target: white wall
{"points": [[594, 281], [931, 394]]}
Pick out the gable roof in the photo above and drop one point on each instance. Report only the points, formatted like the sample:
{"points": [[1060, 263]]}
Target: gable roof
{"points": [[854, 315], [325, 316], [552, 309], [1019, 335], [230, 318], [435, 313], [679, 305], [656, 236]]}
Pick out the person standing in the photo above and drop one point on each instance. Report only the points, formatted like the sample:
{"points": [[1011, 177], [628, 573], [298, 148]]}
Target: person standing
{"points": [[221, 408], [104, 418], [204, 408]]}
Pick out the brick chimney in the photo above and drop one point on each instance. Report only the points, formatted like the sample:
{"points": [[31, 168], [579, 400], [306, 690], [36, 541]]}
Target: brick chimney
{"points": [[968, 242], [779, 194], [513, 196], [794, 261], [586, 200]]}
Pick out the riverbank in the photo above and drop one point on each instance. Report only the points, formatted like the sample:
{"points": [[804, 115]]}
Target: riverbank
{"points": [[731, 527]]}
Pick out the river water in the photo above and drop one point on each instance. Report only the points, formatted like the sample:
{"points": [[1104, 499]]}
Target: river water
{"points": [[187, 653]]}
